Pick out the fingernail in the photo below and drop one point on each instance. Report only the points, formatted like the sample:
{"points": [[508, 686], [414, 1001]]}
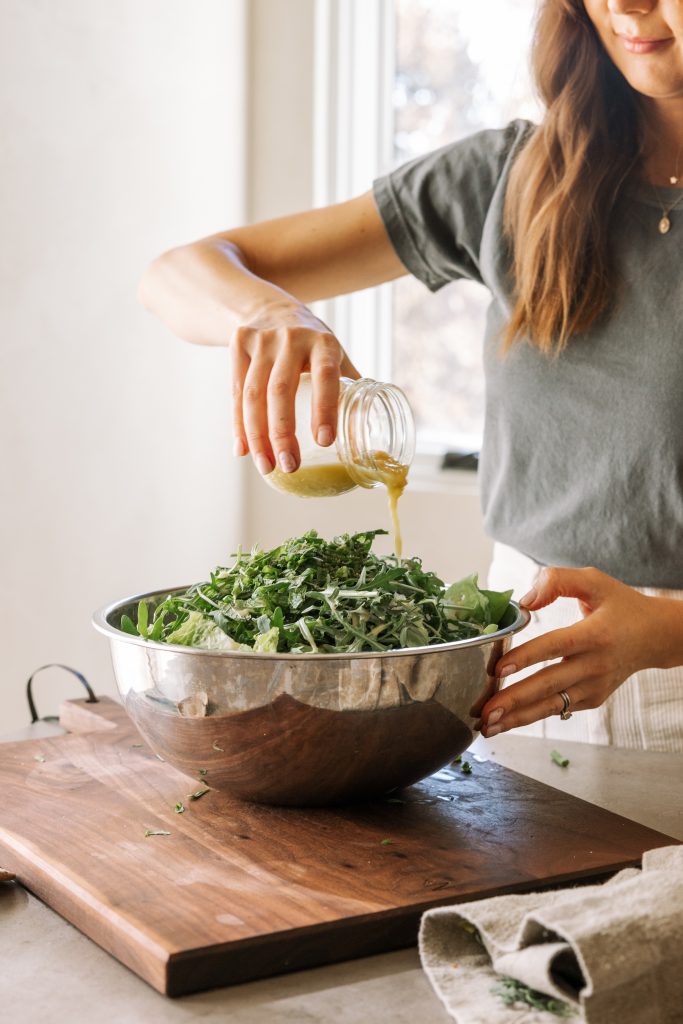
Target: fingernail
{"points": [[324, 436], [529, 598], [494, 731], [287, 462], [495, 716], [507, 671], [264, 465], [239, 448]]}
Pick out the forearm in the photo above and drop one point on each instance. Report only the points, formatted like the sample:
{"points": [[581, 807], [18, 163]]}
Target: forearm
{"points": [[204, 291]]}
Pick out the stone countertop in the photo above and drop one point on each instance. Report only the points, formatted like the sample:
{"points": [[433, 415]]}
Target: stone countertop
{"points": [[54, 975]]}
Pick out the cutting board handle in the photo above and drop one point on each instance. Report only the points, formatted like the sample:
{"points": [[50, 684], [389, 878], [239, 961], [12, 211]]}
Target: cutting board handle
{"points": [[84, 716]]}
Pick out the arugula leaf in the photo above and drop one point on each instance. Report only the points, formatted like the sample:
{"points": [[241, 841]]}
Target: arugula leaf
{"points": [[310, 595], [143, 618], [128, 626]]}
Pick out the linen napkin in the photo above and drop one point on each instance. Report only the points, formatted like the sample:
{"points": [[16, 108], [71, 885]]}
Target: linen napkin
{"points": [[613, 953]]}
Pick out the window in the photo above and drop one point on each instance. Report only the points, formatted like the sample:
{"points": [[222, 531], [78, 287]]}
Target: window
{"points": [[398, 78]]}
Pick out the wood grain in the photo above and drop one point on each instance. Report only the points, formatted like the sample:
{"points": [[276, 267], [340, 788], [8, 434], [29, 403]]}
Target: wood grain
{"points": [[239, 891]]}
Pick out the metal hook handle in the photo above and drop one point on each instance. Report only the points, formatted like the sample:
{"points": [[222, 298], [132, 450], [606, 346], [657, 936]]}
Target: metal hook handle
{"points": [[92, 699]]}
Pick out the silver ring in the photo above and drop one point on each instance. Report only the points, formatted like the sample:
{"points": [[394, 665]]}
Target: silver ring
{"points": [[565, 713]]}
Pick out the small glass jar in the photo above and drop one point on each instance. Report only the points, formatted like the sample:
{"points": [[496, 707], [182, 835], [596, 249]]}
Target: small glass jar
{"points": [[375, 434]]}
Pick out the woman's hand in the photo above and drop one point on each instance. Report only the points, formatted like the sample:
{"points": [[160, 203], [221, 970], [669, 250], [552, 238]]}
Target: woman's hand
{"points": [[621, 632], [250, 285], [268, 355]]}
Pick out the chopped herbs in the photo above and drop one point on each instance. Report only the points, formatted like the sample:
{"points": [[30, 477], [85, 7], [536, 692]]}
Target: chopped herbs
{"points": [[39, 757], [134, 745], [313, 596], [180, 808], [214, 746], [387, 842], [199, 793], [203, 771], [156, 832], [457, 760], [513, 993], [559, 758], [466, 768]]}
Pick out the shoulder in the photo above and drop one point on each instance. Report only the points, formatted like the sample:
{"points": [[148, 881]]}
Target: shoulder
{"points": [[483, 157]]}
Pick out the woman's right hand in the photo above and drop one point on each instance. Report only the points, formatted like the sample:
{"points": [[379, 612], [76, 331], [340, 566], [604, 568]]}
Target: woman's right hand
{"points": [[268, 354], [250, 285]]}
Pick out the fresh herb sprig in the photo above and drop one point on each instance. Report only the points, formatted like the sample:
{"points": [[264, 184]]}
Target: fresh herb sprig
{"points": [[514, 993], [314, 596]]}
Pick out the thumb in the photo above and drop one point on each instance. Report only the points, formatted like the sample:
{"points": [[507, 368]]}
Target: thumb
{"points": [[551, 583], [348, 369]]}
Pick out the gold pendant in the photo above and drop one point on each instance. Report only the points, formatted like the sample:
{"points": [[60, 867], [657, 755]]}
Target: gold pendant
{"points": [[664, 225]]}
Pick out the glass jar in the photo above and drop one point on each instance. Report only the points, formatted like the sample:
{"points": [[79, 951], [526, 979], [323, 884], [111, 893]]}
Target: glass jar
{"points": [[375, 441]]}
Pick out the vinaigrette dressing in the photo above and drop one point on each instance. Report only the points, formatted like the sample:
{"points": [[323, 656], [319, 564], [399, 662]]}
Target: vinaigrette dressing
{"points": [[375, 445]]}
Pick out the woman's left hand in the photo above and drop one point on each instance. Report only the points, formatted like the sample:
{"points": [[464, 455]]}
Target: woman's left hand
{"points": [[621, 632]]}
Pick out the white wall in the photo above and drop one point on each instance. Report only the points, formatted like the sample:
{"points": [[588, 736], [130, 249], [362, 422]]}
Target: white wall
{"points": [[123, 133], [441, 520]]}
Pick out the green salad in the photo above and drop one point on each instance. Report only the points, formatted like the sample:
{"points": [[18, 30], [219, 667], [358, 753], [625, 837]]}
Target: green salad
{"points": [[315, 596]]}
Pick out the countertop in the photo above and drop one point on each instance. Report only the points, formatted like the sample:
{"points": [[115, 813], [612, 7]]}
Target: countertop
{"points": [[52, 974]]}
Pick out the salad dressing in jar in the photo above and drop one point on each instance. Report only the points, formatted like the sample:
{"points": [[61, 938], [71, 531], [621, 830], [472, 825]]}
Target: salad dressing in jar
{"points": [[375, 445]]}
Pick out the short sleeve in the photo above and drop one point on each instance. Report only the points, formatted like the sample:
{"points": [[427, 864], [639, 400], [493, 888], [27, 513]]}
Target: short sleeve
{"points": [[435, 208]]}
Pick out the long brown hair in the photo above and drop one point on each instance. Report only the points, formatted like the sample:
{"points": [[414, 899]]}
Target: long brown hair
{"points": [[565, 181]]}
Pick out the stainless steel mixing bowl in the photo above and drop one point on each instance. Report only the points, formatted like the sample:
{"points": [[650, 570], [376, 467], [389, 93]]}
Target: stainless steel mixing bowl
{"points": [[305, 729]]}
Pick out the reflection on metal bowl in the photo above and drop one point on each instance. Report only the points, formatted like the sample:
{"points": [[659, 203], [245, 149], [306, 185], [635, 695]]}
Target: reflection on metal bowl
{"points": [[305, 729]]}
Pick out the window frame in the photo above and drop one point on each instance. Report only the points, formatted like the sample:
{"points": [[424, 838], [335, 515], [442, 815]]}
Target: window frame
{"points": [[353, 127]]}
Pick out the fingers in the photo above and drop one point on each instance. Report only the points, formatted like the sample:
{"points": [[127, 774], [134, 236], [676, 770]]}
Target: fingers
{"points": [[579, 698], [239, 364], [559, 643], [282, 385], [551, 583], [325, 361], [255, 413], [538, 696], [266, 367], [348, 369]]}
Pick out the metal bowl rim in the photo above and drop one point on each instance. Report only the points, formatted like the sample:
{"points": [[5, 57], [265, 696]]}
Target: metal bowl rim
{"points": [[100, 621]]}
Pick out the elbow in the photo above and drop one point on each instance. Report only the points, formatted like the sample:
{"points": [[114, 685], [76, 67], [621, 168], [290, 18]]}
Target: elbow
{"points": [[150, 287]]}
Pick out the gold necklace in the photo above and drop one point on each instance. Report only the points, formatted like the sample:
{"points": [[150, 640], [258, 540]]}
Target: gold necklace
{"points": [[665, 223]]}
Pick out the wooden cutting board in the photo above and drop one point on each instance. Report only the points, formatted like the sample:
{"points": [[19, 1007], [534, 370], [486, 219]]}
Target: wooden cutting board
{"points": [[239, 891]]}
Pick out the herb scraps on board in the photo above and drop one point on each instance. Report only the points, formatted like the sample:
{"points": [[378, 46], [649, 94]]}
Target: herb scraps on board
{"points": [[559, 758], [180, 807], [315, 596], [466, 768], [199, 793], [156, 832], [387, 842]]}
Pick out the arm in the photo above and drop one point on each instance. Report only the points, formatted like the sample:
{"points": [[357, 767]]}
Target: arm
{"points": [[247, 288], [622, 632]]}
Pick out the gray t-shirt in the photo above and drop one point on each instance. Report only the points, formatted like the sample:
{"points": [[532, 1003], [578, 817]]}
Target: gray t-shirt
{"points": [[582, 460]]}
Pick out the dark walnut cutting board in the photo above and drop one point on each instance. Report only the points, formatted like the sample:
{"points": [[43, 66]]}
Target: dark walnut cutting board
{"points": [[241, 891]]}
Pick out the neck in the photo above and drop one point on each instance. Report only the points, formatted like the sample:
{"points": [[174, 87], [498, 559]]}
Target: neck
{"points": [[662, 141]]}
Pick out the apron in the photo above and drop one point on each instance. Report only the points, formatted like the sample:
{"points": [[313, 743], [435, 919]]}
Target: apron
{"points": [[644, 713]]}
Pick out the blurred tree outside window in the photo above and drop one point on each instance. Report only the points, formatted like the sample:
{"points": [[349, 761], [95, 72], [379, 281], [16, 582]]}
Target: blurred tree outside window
{"points": [[460, 67]]}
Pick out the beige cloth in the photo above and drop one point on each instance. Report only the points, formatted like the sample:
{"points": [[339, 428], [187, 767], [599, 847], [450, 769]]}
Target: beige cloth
{"points": [[612, 951], [644, 713]]}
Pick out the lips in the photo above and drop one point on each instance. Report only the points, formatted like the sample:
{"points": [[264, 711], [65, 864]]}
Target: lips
{"points": [[639, 44]]}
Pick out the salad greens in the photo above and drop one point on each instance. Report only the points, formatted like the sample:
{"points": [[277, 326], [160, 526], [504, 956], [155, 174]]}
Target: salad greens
{"points": [[314, 596]]}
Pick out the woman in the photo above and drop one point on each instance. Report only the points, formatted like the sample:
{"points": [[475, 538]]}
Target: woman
{"points": [[574, 228]]}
